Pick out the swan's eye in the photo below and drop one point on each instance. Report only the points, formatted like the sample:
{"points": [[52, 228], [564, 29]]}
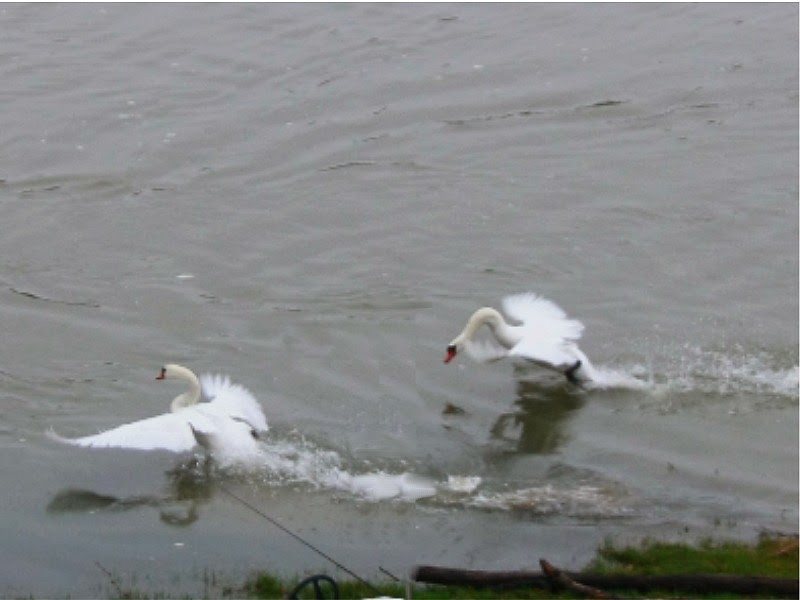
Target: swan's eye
{"points": [[255, 435]]}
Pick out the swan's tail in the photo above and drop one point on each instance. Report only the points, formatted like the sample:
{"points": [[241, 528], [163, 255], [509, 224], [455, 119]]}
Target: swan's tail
{"points": [[52, 435]]}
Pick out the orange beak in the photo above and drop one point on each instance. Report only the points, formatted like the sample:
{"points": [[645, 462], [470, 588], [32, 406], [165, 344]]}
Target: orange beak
{"points": [[451, 354], [162, 375]]}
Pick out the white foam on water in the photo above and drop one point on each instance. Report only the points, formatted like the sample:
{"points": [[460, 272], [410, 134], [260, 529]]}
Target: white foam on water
{"points": [[606, 378], [711, 371], [386, 486], [298, 461], [291, 459], [692, 369], [462, 484], [579, 501]]}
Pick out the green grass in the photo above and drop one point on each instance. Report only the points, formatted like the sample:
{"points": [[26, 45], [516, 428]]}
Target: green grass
{"points": [[266, 586], [770, 557]]}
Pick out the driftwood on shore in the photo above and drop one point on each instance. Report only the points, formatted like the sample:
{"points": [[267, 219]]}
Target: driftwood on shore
{"points": [[595, 585], [561, 581]]}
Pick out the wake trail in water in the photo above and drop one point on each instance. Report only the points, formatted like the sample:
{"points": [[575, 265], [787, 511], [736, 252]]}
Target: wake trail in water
{"points": [[691, 369], [297, 461], [290, 459], [608, 379], [731, 372], [695, 371]]}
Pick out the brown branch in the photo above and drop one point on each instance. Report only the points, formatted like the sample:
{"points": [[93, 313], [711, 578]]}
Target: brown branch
{"points": [[775, 587], [561, 581], [479, 579]]}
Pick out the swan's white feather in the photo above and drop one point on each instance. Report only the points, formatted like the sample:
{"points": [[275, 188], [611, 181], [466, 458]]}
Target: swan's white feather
{"points": [[544, 317], [548, 336], [546, 352], [231, 400], [169, 432], [225, 425], [537, 330], [229, 440], [484, 351]]}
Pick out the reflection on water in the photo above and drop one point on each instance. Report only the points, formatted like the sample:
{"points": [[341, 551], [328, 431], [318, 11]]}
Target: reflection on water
{"points": [[188, 486], [538, 426]]}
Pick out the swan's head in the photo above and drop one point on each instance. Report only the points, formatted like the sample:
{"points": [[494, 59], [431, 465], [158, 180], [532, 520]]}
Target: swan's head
{"points": [[175, 371], [178, 372], [464, 341], [453, 348], [459, 342]]}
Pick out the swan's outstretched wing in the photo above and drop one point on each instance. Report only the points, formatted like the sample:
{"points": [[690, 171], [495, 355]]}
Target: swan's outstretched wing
{"points": [[544, 318], [548, 334], [553, 355], [170, 431], [232, 409], [231, 400]]}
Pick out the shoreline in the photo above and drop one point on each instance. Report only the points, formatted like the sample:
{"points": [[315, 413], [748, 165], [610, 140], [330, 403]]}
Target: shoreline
{"points": [[770, 556]]}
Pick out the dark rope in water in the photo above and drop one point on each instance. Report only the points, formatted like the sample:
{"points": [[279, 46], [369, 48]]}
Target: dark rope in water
{"points": [[308, 544]]}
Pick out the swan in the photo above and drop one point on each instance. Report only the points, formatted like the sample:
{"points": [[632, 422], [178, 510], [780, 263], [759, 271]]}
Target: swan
{"points": [[227, 426], [543, 335]]}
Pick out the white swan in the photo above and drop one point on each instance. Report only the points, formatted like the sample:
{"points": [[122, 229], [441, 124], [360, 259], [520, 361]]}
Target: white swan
{"points": [[544, 336], [227, 425]]}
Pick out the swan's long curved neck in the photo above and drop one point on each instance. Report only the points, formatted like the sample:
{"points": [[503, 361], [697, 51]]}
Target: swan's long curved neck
{"points": [[190, 397], [504, 333]]}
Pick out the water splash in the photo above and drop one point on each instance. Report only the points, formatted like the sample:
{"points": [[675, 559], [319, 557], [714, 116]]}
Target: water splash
{"points": [[731, 372], [296, 460], [583, 501], [691, 376], [691, 369], [463, 484], [608, 379]]}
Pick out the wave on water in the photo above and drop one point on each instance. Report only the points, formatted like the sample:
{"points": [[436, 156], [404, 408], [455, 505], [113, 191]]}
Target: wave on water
{"points": [[607, 379], [295, 460], [578, 499], [583, 501], [694, 369], [298, 461], [290, 459]]}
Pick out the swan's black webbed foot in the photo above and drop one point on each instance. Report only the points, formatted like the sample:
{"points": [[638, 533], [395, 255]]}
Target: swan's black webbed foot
{"points": [[570, 373]]}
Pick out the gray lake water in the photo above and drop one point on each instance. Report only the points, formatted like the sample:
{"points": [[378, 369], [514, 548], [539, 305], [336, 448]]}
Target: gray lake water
{"points": [[312, 199]]}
